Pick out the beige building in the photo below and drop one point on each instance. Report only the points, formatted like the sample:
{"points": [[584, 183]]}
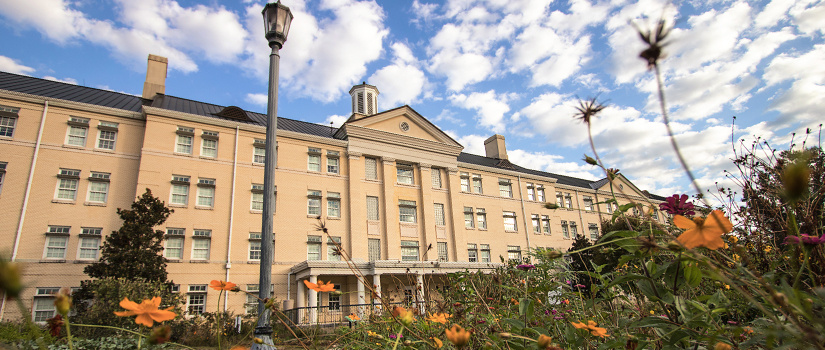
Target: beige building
{"points": [[396, 192]]}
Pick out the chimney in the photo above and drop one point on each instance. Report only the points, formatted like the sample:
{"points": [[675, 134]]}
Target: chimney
{"points": [[155, 77], [494, 147], [364, 99]]}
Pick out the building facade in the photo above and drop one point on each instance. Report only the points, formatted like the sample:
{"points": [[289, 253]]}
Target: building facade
{"points": [[398, 195]]}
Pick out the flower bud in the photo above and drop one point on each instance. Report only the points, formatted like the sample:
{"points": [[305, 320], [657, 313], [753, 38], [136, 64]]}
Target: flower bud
{"points": [[795, 179], [10, 282], [505, 335], [160, 335], [544, 341], [258, 341], [550, 206], [589, 160], [63, 302], [674, 246]]}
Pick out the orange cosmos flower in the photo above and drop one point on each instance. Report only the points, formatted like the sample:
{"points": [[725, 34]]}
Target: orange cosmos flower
{"points": [[459, 336], [320, 287], [147, 311], [591, 326], [703, 232], [221, 285], [406, 316], [440, 317], [544, 341]]}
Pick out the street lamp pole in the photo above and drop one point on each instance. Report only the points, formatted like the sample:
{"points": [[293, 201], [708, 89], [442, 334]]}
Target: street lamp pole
{"points": [[277, 19]]}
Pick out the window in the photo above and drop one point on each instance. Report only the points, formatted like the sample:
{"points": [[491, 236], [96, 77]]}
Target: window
{"points": [[196, 299], [333, 162], [209, 148], [254, 247], [251, 304], [409, 251], [559, 200], [2, 174], [201, 240], [468, 217], [540, 193], [333, 248], [67, 184], [314, 202], [374, 249], [481, 215], [534, 219], [89, 243], [8, 117], [183, 144], [405, 174], [439, 214], [107, 135], [505, 188], [477, 184], [510, 221], [206, 192], [573, 231], [568, 200], [485, 253], [334, 301], [588, 203], [465, 182], [98, 187], [78, 129], [314, 159], [371, 168], [258, 154], [564, 230], [531, 192], [257, 197], [174, 243], [545, 224], [313, 247], [472, 252], [442, 251], [180, 190], [333, 204], [56, 241], [435, 173], [372, 208], [406, 211], [654, 214], [514, 252], [594, 231], [43, 304]]}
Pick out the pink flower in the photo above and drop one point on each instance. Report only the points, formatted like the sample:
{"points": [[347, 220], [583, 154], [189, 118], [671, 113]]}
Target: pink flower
{"points": [[677, 205], [805, 239]]}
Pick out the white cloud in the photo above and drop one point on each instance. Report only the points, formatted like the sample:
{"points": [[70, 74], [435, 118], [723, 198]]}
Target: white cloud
{"points": [[64, 80], [802, 102], [552, 163], [550, 56], [10, 65], [809, 18], [490, 106], [257, 99], [402, 82], [335, 120], [473, 144]]}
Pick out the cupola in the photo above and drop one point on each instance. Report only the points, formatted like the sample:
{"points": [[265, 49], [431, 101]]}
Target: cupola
{"points": [[364, 99]]}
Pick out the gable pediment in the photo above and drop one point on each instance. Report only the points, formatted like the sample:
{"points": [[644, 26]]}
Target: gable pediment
{"points": [[621, 185], [402, 121]]}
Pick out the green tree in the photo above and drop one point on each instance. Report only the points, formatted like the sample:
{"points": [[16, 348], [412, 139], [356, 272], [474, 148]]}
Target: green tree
{"points": [[134, 251], [581, 262]]}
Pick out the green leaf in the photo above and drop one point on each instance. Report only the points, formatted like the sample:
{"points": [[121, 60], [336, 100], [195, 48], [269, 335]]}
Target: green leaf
{"points": [[693, 275], [652, 321], [525, 307], [625, 278]]}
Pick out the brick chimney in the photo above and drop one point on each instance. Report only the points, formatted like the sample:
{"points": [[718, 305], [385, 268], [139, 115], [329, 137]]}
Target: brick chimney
{"points": [[494, 147], [155, 77]]}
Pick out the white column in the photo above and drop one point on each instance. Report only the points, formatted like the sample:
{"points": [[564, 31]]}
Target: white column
{"points": [[419, 291], [376, 281], [313, 301], [361, 297], [300, 294]]}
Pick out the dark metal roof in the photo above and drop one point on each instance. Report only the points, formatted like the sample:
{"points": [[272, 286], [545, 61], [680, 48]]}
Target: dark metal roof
{"points": [[70, 92]]}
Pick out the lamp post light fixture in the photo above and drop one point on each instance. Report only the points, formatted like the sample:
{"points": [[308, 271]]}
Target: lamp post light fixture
{"points": [[277, 19]]}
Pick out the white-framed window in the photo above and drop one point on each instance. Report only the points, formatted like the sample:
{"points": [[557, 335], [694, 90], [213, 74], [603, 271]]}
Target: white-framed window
{"points": [[409, 251], [43, 304], [254, 246], [540, 193], [404, 174], [8, 119], [201, 242], [481, 216], [196, 299], [374, 249], [314, 202], [333, 162], [510, 221], [559, 200], [472, 252], [372, 208], [89, 245], [67, 184], [173, 250], [442, 251], [57, 240], [334, 300], [565, 231], [313, 247], [505, 188], [588, 203], [180, 190], [469, 219], [257, 201], [573, 229], [183, 143], [98, 187], [107, 135], [594, 231], [407, 211], [206, 192], [531, 192], [2, 174], [485, 253], [209, 148], [314, 159], [568, 199], [439, 214], [333, 243], [77, 131], [333, 204], [536, 221], [477, 186], [435, 173], [514, 252], [258, 155], [251, 305], [371, 168], [545, 224], [465, 182]]}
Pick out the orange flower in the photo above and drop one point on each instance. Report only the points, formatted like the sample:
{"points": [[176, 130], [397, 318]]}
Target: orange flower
{"points": [[320, 287], [591, 326], [459, 336], [703, 232], [146, 311], [544, 341], [438, 343], [221, 285], [403, 314], [439, 317]]}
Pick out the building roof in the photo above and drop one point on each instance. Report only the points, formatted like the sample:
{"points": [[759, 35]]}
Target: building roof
{"points": [[118, 100]]}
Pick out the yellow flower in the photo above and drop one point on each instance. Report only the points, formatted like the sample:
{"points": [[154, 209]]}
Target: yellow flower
{"points": [[703, 232], [722, 346], [591, 326], [767, 249], [438, 343], [62, 301], [406, 316], [459, 336], [439, 317], [320, 287], [221, 285], [652, 312], [147, 311]]}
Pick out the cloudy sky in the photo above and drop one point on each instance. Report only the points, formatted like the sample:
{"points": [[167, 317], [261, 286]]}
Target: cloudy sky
{"points": [[474, 68]]}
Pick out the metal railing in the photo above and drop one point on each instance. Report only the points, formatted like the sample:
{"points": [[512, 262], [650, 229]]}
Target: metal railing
{"points": [[336, 315]]}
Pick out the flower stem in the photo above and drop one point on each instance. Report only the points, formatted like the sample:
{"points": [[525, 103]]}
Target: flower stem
{"points": [[69, 333]]}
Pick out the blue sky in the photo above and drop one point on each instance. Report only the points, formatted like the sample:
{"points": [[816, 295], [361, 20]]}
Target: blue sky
{"points": [[474, 68]]}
